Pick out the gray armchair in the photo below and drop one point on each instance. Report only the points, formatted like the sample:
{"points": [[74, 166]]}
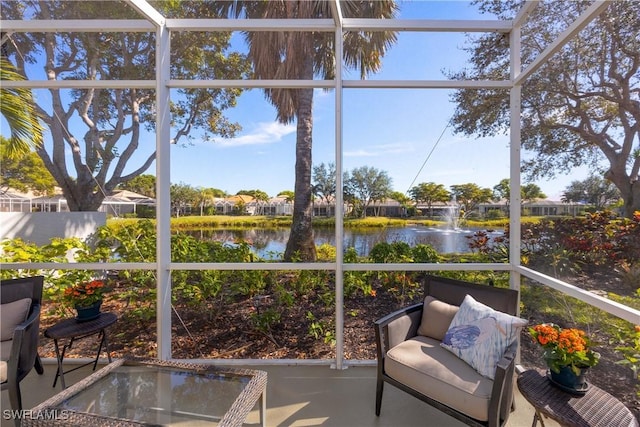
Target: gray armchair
{"points": [[418, 364], [21, 301]]}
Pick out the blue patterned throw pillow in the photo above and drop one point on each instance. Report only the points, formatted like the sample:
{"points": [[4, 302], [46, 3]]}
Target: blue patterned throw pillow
{"points": [[480, 335]]}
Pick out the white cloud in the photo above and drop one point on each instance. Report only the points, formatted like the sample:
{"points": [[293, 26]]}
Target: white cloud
{"points": [[395, 148], [380, 150], [264, 133], [360, 153]]}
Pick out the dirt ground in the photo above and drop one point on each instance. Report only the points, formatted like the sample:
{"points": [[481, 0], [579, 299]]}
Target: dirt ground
{"points": [[209, 332]]}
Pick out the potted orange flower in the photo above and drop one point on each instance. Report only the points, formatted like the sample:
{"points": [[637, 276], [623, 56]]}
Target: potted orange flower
{"points": [[86, 298], [567, 353]]}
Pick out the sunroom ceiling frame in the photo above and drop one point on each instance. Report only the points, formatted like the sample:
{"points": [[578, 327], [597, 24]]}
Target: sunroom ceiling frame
{"points": [[324, 25], [576, 26], [78, 25], [260, 84], [148, 11]]}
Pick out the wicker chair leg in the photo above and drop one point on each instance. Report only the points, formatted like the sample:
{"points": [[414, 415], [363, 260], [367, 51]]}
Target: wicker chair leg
{"points": [[379, 390], [15, 401], [15, 398], [38, 365]]}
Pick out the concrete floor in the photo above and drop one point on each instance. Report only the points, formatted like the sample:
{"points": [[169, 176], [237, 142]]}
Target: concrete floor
{"points": [[300, 396]]}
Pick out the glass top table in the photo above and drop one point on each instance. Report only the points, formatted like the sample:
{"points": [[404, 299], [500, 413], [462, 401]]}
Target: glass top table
{"points": [[157, 393]]}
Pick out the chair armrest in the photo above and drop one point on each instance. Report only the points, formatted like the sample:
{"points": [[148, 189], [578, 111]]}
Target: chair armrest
{"points": [[24, 345], [502, 392], [396, 327]]}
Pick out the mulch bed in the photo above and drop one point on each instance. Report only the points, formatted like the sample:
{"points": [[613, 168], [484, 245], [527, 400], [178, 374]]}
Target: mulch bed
{"points": [[210, 332]]}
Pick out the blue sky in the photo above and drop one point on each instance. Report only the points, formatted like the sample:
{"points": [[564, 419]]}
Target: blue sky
{"points": [[393, 130]]}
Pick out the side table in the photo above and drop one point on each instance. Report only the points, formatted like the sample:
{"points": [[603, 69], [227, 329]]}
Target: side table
{"points": [[596, 408], [73, 330]]}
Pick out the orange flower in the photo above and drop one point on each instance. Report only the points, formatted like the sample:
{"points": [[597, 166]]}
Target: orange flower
{"points": [[545, 334], [572, 340], [564, 347], [84, 294]]}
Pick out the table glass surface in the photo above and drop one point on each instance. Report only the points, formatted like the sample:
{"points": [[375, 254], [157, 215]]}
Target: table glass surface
{"points": [[160, 395]]}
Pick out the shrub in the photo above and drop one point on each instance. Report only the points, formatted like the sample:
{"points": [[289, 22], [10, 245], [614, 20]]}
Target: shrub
{"points": [[326, 253], [495, 214], [384, 252], [629, 347], [567, 245], [425, 253], [629, 273]]}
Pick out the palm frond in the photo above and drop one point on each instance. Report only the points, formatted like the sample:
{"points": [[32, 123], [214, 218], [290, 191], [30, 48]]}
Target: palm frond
{"points": [[17, 107]]}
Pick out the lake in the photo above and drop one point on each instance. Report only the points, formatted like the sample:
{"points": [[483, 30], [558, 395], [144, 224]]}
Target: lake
{"points": [[271, 243]]}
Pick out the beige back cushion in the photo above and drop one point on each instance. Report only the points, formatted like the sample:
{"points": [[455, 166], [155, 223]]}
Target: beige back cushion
{"points": [[436, 318], [11, 315]]}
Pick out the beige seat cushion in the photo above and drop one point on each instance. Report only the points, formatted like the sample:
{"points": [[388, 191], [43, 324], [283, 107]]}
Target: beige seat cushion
{"points": [[436, 318], [5, 349], [11, 315], [422, 364]]}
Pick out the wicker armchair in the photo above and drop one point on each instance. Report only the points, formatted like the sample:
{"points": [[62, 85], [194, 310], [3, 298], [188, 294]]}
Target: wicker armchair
{"points": [[437, 376], [21, 301]]}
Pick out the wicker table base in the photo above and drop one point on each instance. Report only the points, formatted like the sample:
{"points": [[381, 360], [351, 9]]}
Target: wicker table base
{"points": [[596, 408]]}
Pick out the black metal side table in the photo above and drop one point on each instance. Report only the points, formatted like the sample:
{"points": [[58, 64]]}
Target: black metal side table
{"points": [[73, 330], [596, 408]]}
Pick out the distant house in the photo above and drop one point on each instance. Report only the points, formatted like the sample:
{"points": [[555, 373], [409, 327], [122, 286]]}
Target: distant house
{"points": [[13, 201], [223, 206], [322, 207], [546, 207], [243, 202], [125, 202], [386, 207], [119, 203], [540, 207], [250, 206], [277, 206]]}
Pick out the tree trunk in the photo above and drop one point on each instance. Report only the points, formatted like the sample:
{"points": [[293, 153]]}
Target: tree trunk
{"points": [[629, 189], [87, 203], [632, 200], [301, 246]]}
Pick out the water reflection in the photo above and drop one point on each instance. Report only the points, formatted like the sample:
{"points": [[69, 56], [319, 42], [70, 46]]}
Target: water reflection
{"points": [[270, 243]]}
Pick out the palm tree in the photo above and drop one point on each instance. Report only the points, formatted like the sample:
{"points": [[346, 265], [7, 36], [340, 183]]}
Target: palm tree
{"points": [[205, 198], [17, 107], [301, 56]]}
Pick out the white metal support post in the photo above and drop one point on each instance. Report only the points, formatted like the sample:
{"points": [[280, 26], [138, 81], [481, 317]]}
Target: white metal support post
{"points": [[163, 201], [163, 176], [515, 104], [339, 209]]}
